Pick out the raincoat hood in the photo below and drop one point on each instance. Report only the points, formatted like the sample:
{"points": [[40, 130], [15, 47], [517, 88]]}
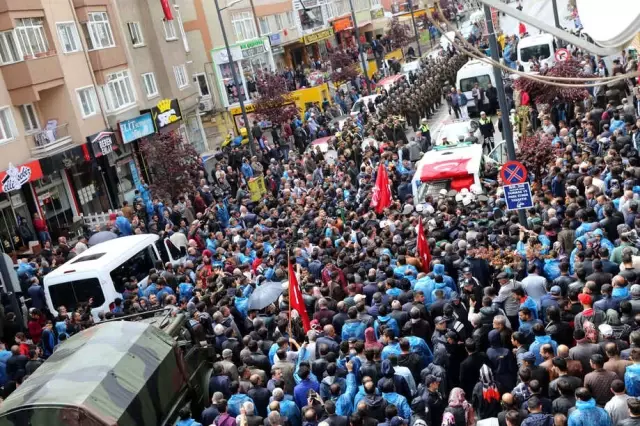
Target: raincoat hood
{"points": [[387, 369], [585, 405], [494, 339], [438, 269], [543, 339]]}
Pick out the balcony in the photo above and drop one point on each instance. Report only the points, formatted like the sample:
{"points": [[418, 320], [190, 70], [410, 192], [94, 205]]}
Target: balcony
{"points": [[19, 5], [26, 78], [89, 3], [53, 139], [106, 59]]}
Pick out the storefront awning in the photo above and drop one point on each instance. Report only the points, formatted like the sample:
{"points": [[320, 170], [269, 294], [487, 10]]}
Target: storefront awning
{"points": [[15, 177]]}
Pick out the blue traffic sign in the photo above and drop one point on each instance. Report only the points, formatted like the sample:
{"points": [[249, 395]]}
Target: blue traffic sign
{"points": [[518, 196], [513, 172]]}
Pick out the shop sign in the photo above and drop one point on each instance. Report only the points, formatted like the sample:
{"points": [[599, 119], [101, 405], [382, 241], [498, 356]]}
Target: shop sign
{"points": [[166, 111], [377, 14], [318, 36], [342, 24], [136, 128], [14, 177], [102, 143], [252, 48], [277, 50], [275, 39]]}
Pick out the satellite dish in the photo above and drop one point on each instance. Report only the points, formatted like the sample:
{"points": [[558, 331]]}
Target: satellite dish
{"points": [[606, 25]]}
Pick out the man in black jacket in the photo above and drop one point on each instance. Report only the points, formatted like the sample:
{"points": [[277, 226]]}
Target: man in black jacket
{"points": [[470, 367], [434, 400], [332, 419], [16, 364]]}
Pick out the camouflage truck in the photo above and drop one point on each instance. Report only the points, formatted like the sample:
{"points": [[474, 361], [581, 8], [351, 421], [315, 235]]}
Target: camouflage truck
{"points": [[124, 373]]}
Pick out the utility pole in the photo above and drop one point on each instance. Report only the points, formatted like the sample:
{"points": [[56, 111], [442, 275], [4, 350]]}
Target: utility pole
{"points": [[236, 82], [361, 51], [556, 19], [415, 28], [507, 132]]}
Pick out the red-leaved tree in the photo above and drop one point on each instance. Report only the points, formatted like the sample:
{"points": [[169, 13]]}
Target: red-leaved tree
{"points": [[542, 93], [343, 65], [173, 165], [275, 103], [537, 154], [399, 34]]}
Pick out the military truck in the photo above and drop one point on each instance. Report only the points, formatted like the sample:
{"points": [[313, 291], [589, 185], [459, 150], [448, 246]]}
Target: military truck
{"points": [[131, 372]]}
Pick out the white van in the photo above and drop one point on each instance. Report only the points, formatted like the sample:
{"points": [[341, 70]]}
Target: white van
{"points": [[541, 46], [474, 71], [100, 272]]}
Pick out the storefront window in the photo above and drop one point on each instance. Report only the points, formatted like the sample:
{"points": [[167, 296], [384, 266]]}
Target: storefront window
{"points": [[55, 205], [227, 78]]}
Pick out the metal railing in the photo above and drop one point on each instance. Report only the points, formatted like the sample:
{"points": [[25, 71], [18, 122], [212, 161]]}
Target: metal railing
{"points": [[50, 135]]}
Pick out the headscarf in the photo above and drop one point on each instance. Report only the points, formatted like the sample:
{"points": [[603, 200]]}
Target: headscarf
{"points": [[457, 399], [370, 341], [489, 387]]}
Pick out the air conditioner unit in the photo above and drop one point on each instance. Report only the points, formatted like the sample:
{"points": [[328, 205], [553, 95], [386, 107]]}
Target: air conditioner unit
{"points": [[206, 104]]}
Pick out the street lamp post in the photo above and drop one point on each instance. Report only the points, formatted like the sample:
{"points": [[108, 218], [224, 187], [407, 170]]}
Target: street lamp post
{"points": [[236, 81], [361, 51], [415, 28], [502, 99]]}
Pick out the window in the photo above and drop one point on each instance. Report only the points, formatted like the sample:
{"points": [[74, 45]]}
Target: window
{"points": [[69, 38], [150, 86], [136, 33], [29, 118], [7, 125], [9, 50], [137, 266], [88, 101], [278, 22], [375, 4], [31, 36], [541, 51], [466, 84], [244, 26], [311, 18], [290, 21], [181, 76], [97, 31], [264, 25], [70, 294], [118, 92], [169, 30], [203, 84]]}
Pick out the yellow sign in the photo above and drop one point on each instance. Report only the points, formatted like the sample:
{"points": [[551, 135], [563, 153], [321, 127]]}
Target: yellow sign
{"points": [[318, 36], [257, 189]]}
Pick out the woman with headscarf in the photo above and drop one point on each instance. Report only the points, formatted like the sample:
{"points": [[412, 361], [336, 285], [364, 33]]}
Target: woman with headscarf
{"points": [[486, 397], [459, 412], [370, 341]]}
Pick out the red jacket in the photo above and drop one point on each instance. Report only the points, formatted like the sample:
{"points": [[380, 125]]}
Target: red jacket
{"points": [[40, 225], [35, 331]]}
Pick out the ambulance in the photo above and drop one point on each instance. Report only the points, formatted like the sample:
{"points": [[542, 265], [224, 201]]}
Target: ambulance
{"points": [[457, 166]]}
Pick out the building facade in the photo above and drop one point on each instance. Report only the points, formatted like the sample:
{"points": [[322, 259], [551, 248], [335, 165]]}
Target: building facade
{"points": [[77, 79]]}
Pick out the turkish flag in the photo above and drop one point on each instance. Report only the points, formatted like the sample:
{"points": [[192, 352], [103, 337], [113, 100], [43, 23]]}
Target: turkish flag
{"points": [[381, 197], [424, 253], [295, 299], [166, 8]]}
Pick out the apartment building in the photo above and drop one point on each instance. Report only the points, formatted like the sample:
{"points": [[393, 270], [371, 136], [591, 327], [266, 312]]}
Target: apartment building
{"points": [[78, 77]]}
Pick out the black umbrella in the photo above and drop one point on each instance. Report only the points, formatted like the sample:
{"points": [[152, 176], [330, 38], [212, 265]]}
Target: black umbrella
{"points": [[265, 295], [101, 237]]}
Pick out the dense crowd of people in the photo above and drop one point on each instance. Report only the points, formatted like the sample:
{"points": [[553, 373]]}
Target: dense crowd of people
{"points": [[534, 326]]}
